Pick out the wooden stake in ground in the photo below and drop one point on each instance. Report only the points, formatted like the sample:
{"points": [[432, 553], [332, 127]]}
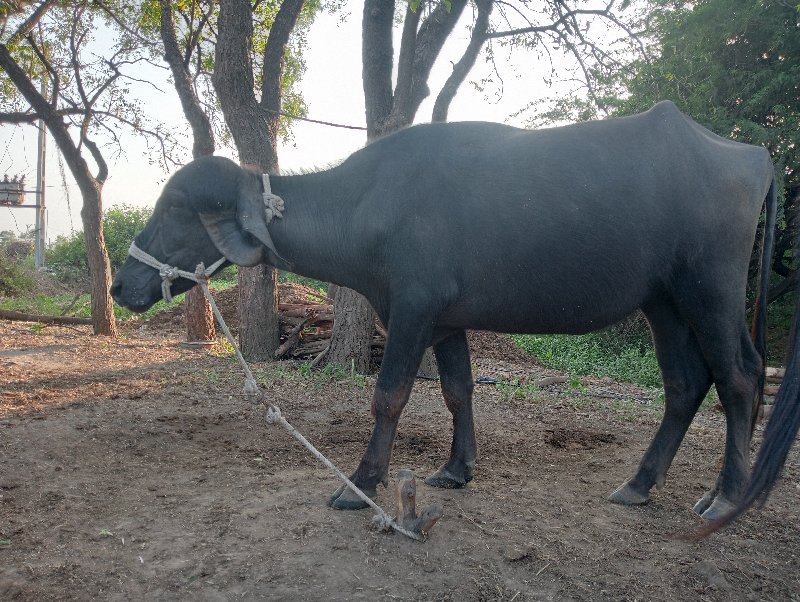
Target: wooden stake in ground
{"points": [[407, 515]]}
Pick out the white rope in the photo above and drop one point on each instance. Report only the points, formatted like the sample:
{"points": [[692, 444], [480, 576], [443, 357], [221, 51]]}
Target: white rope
{"points": [[273, 204], [274, 416], [201, 276], [169, 273]]}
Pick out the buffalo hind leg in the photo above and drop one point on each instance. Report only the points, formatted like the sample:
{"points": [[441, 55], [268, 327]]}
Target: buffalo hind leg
{"points": [[736, 377], [687, 379], [409, 333], [452, 358]]}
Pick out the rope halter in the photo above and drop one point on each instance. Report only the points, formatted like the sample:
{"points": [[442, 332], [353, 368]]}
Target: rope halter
{"points": [[170, 273], [273, 207]]}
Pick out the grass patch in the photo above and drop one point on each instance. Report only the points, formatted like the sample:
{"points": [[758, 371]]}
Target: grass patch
{"points": [[303, 374], [599, 354], [49, 305]]}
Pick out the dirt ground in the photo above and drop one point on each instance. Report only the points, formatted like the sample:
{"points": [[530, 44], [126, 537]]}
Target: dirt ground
{"points": [[132, 469]]}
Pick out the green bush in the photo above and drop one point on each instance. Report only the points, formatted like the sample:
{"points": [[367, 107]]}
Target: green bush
{"points": [[67, 256], [15, 273]]}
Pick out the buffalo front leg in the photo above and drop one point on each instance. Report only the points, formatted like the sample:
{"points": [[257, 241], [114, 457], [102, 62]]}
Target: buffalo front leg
{"points": [[409, 333], [452, 357]]}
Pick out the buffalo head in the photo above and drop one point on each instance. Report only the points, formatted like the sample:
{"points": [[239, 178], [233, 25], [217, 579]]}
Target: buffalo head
{"points": [[210, 208]]}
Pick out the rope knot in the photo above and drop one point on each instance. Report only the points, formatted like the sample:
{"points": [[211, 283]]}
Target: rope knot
{"points": [[251, 387], [273, 414], [168, 272], [383, 522], [273, 204]]}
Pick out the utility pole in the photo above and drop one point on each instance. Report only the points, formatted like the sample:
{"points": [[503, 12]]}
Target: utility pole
{"points": [[41, 213]]}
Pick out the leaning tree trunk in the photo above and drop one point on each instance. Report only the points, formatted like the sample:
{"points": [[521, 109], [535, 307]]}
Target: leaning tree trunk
{"points": [[103, 321], [91, 192]]}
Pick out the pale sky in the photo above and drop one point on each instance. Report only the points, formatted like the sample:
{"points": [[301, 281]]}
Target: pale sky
{"points": [[332, 90]]}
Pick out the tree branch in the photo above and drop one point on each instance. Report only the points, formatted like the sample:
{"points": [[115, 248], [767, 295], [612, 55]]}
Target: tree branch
{"points": [[202, 132], [432, 35], [272, 69], [465, 64], [102, 166], [405, 61], [32, 117], [26, 27], [550, 27], [377, 56]]}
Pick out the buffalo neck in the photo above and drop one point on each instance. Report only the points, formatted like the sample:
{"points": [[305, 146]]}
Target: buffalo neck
{"points": [[315, 233]]}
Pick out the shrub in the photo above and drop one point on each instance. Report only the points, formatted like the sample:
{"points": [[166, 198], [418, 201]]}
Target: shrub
{"points": [[16, 276], [67, 256]]}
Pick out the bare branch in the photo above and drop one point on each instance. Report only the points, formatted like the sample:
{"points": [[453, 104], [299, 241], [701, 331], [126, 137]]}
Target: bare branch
{"points": [[122, 25], [551, 26], [465, 64], [102, 166], [14, 117], [50, 69]]}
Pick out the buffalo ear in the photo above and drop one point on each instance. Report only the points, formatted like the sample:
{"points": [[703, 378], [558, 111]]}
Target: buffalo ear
{"points": [[230, 240], [251, 218]]}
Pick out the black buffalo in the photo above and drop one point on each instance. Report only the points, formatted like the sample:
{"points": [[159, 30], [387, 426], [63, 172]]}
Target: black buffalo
{"points": [[445, 227]]}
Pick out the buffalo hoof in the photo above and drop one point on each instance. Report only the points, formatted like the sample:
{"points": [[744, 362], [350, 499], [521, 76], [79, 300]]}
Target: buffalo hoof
{"points": [[627, 495], [704, 503], [445, 479], [713, 507], [346, 499]]}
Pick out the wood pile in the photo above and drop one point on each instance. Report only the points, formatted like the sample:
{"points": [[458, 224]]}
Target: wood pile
{"points": [[307, 324], [774, 378]]}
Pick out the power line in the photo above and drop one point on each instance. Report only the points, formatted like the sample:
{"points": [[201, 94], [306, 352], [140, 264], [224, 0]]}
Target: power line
{"points": [[317, 121]]}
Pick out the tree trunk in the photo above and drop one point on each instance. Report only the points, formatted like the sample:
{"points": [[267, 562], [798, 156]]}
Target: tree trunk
{"points": [[234, 83], [259, 331], [353, 327], [103, 321], [387, 112], [91, 192], [199, 317]]}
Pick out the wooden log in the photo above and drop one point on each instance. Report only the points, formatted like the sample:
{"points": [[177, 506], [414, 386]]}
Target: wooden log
{"points": [[291, 340], [312, 348], [319, 316], [308, 337], [551, 380], [406, 496], [8, 314], [774, 375]]}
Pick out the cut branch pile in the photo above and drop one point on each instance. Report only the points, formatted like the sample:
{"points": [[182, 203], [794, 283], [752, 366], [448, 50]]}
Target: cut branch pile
{"points": [[307, 324]]}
